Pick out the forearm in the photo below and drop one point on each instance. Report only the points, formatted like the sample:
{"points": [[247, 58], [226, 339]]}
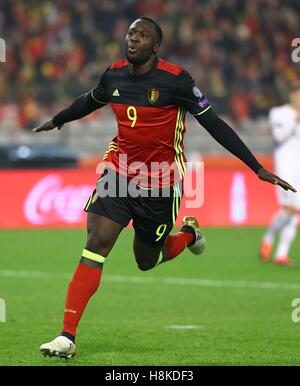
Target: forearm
{"points": [[82, 106], [226, 137]]}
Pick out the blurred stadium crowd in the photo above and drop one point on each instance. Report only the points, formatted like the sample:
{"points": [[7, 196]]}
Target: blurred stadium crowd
{"points": [[238, 51]]}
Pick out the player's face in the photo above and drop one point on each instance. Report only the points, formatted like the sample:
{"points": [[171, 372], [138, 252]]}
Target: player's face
{"points": [[140, 42]]}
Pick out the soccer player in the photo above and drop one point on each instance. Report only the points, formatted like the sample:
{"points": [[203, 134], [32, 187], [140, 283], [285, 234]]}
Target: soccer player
{"points": [[149, 98], [285, 127]]}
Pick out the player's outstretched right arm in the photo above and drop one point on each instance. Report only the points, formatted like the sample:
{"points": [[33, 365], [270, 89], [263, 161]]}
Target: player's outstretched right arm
{"points": [[186, 94], [82, 106], [46, 126], [265, 175], [227, 137]]}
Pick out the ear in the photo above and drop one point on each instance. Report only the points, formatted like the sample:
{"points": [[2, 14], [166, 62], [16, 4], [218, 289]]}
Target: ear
{"points": [[156, 48]]}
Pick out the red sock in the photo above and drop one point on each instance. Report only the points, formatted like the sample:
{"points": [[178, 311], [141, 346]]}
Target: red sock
{"points": [[175, 244], [83, 285]]}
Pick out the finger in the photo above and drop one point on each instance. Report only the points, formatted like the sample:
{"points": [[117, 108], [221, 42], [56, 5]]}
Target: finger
{"points": [[292, 189], [287, 186]]}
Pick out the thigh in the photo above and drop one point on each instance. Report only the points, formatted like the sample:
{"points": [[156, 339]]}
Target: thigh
{"points": [[152, 227], [146, 256], [102, 234], [107, 216], [106, 200], [113, 208], [154, 218]]}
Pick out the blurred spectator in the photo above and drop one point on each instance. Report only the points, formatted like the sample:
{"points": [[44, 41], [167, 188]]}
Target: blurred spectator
{"points": [[239, 52]]}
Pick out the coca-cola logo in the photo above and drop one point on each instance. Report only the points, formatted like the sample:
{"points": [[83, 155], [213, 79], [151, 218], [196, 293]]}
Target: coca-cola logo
{"points": [[51, 201]]}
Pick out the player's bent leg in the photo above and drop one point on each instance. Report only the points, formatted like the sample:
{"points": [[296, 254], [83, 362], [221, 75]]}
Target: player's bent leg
{"points": [[148, 257], [198, 245], [189, 237], [102, 234]]}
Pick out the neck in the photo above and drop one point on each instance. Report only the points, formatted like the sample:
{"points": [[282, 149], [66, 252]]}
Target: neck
{"points": [[140, 69]]}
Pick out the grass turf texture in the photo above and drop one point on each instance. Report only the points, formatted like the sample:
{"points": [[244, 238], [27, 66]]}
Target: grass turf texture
{"points": [[125, 322]]}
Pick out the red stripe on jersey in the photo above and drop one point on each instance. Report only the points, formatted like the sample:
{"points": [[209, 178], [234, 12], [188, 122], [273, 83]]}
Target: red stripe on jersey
{"points": [[169, 67], [120, 63]]}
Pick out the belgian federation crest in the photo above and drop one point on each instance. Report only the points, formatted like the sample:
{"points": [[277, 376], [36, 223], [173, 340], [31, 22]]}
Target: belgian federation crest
{"points": [[153, 95]]}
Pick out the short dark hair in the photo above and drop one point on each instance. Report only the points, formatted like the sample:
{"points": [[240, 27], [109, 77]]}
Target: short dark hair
{"points": [[158, 30]]}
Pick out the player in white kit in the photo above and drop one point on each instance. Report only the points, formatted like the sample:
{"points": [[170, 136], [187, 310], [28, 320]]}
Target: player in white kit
{"points": [[285, 126]]}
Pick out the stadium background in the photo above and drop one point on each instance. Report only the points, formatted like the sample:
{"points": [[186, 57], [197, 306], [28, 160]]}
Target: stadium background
{"points": [[238, 52], [240, 56]]}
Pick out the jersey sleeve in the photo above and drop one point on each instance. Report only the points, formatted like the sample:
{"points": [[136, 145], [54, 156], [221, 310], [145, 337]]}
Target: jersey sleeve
{"points": [[188, 95], [98, 93]]}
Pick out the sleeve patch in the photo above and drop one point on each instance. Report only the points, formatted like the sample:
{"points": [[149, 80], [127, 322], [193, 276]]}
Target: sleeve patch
{"points": [[203, 103]]}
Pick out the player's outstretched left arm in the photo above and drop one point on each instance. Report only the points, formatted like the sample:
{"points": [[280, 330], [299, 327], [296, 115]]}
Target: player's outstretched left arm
{"points": [[227, 137], [82, 106]]}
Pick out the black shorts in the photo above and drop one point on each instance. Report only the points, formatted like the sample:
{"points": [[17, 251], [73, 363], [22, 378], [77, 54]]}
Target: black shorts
{"points": [[153, 212]]}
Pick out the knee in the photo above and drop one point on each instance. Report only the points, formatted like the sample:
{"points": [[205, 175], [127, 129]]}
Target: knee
{"points": [[145, 265], [98, 244]]}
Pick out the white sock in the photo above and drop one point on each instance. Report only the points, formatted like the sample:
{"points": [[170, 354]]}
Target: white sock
{"points": [[280, 219], [287, 236]]}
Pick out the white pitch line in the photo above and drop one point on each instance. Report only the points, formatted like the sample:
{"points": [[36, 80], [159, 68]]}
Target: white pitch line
{"points": [[183, 327], [158, 280]]}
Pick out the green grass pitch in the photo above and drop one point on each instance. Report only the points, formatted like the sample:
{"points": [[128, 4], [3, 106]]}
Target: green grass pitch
{"points": [[241, 307]]}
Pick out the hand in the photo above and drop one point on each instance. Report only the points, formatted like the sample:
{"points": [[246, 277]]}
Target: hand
{"points": [[264, 175], [49, 125]]}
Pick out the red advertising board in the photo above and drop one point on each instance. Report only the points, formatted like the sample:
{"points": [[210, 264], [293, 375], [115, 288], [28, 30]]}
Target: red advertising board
{"points": [[55, 198]]}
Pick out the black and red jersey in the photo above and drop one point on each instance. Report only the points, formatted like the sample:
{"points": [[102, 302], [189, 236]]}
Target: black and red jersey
{"points": [[150, 111]]}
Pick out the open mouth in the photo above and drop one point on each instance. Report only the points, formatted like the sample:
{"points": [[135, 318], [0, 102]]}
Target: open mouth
{"points": [[132, 49]]}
